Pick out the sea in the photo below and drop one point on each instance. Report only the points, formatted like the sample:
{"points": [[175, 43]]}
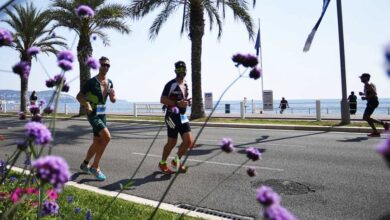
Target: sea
{"points": [[297, 106]]}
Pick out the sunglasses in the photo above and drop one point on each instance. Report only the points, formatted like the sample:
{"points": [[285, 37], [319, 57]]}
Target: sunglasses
{"points": [[106, 65], [181, 69]]}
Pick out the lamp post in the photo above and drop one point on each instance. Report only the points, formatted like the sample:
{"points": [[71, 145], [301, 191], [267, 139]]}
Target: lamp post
{"points": [[345, 117]]}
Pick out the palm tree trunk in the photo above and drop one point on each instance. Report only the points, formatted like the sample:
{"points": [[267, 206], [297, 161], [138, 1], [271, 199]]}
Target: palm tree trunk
{"points": [[196, 33], [23, 93], [84, 50]]}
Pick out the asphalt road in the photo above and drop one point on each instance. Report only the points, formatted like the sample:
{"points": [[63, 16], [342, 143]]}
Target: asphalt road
{"points": [[320, 175]]}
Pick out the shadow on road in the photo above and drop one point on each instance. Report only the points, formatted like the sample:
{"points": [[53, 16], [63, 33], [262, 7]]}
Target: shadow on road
{"points": [[84, 180], [357, 139], [154, 177]]}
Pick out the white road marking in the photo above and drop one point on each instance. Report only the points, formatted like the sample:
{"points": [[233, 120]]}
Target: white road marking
{"points": [[217, 163]]}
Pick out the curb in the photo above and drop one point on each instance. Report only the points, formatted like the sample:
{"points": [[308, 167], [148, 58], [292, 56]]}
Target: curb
{"points": [[136, 199]]}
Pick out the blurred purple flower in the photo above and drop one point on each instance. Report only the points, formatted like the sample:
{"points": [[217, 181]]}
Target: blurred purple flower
{"points": [[384, 147], [5, 37], [34, 109], [22, 116], [33, 51], [85, 11], [53, 170], [65, 88], [387, 53], [53, 34], [22, 68], [277, 212], [39, 132], [65, 55], [37, 118], [50, 208], [77, 210], [175, 110], [89, 215], [42, 102], [253, 153], [93, 63], [245, 60], [70, 199], [94, 37], [50, 83], [227, 145], [12, 179], [48, 110], [267, 197], [65, 65], [251, 171], [3, 167], [21, 145], [59, 78], [255, 73]]}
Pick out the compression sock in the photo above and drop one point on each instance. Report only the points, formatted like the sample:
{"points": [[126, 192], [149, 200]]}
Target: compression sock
{"points": [[86, 162], [163, 161]]}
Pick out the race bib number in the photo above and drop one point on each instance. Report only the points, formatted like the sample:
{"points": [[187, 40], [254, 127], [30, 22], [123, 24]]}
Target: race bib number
{"points": [[184, 119], [100, 109]]}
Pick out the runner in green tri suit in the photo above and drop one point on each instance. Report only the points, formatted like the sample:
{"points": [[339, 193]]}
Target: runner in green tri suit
{"points": [[93, 97]]}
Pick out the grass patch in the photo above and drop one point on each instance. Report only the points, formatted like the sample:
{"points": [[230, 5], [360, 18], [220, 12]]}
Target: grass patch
{"points": [[74, 203]]}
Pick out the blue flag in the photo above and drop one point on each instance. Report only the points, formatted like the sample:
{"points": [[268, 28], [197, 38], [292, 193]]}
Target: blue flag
{"points": [[313, 31], [257, 44]]}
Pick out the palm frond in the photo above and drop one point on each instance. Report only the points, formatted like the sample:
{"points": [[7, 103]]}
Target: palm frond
{"points": [[161, 19]]}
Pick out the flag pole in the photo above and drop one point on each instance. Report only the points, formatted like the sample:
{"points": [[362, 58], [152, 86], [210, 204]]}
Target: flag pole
{"points": [[261, 67]]}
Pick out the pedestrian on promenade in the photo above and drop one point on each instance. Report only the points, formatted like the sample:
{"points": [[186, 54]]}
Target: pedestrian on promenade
{"points": [[352, 100], [93, 97], [175, 98], [33, 98], [371, 96], [283, 105]]}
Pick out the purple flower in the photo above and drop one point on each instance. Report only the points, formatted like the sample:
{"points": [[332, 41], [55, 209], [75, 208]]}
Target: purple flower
{"points": [[65, 65], [85, 11], [53, 34], [48, 110], [37, 118], [227, 145], [34, 109], [245, 60], [267, 197], [39, 132], [251, 171], [384, 147], [21, 145], [175, 110], [22, 116], [42, 102], [65, 88], [89, 215], [253, 153], [94, 37], [93, 63], [53, 170], [12, 179], [65, 55], [5, 37], [77, 210], [387, 53], [277, 212], [22, 68], [50, 83], [70, 199], [50, 208], [33, 51], [255, 73]]}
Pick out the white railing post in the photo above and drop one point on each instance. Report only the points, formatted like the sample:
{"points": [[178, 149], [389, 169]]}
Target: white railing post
{"points": [[242, 110], [135, 110], [66, 109], [318, 110], [5, 107], [253, 107]]}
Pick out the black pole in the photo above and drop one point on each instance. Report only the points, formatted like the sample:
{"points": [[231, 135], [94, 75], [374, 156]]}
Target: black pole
{"points": [[345, 117]]}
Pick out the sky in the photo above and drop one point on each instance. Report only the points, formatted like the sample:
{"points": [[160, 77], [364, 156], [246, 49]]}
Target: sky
{"points": [[140, 67]]}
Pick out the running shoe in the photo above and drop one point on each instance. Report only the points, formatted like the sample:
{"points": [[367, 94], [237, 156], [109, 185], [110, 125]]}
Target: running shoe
{"points": [[386, 126], [98, 174], [85, 168], [178, 167], [374, 134], [164, 168]]}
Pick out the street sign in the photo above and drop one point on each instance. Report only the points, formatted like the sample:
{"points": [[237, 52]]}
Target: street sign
{"points": [[208, 99], [268, 100]]}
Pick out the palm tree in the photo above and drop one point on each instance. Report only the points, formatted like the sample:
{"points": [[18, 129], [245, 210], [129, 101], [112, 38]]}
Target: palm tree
{"points": [[193, 22], [30, 27], [107, 16]]}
